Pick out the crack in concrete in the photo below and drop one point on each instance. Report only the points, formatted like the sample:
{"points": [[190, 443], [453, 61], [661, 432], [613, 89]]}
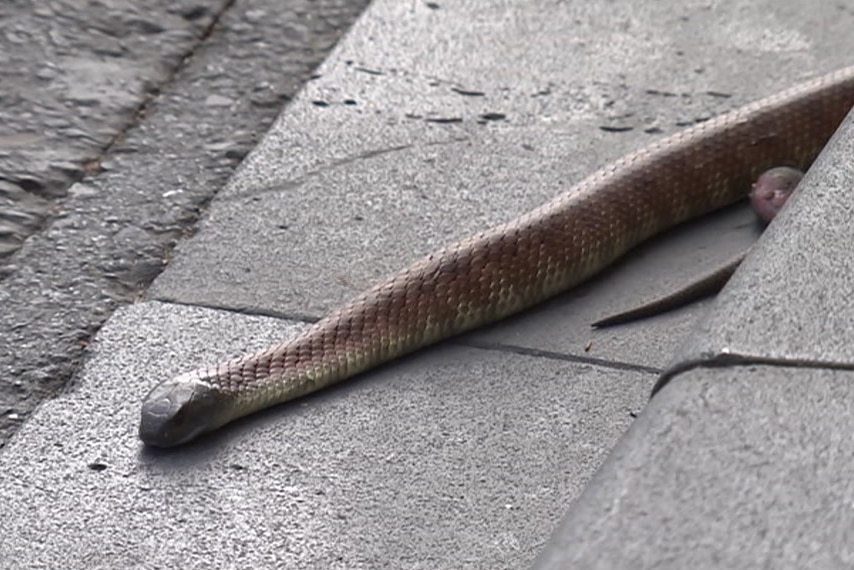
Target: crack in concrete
{"points": [[248, 311], [295, 183], [458, 341], [731, 360], [539, 353]]}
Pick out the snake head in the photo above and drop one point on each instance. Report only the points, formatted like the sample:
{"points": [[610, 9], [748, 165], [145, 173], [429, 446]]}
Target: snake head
{"points": [[772, 189], [179, 410]]}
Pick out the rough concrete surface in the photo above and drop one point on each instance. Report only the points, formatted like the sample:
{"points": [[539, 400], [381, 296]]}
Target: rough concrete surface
{"points": [[112, 233], [340, 195], [458, 458], [748, 467], [358, 179], [428, 122]]}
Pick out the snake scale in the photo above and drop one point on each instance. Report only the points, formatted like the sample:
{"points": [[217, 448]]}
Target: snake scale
{"points": [[511, 267]]}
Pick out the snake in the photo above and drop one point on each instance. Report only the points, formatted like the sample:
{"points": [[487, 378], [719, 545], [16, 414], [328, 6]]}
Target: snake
{"points": [[511, 267], [767, 195]]}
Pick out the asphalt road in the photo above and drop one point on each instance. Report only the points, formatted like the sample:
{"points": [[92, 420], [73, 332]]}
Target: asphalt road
{"points": [[118, 123]]}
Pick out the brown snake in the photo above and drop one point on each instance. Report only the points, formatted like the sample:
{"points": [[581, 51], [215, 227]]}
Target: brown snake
{"points": [[506, 269]]}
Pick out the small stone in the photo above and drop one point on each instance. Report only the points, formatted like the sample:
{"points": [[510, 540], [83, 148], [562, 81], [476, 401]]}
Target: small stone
{"points": [[256, 16], [18, 140], [218, 101], [82, 190], [10, 229], [8, 248], [11, 191], [145, 26], [20, 217], [194, 13], [71, 169], [219, 146]]}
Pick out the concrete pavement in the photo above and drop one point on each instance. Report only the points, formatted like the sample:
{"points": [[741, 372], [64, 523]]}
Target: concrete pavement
{"points": [[428, 122]]}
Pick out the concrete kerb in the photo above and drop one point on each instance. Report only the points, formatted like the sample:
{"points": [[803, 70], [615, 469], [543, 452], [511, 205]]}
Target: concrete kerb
{"points": [[749, 434]]}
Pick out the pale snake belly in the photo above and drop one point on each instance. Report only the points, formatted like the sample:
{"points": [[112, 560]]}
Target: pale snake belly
{"points": [[511, 267]]}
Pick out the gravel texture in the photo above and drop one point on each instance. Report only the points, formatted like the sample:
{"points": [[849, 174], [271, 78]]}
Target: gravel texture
{"points": [[132, 120], [74, 75]]}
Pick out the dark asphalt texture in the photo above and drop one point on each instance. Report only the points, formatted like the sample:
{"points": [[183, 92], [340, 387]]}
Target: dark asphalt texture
{"points": [[117, 126]]}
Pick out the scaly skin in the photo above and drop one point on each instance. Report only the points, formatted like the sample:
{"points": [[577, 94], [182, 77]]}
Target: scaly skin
{"points": [[706, 285], [768, 195], [511, 267]]}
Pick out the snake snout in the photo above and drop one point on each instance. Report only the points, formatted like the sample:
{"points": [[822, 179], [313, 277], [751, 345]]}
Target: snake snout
{"points": [[177, 411], [772, 189]]}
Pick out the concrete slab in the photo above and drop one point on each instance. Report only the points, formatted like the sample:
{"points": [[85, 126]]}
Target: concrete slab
{"points": [[456, 458], [748, 467], [388, 154]]}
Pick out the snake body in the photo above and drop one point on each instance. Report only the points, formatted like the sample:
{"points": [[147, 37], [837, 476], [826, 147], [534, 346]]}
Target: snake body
{"points": [[768, 195], [511, 267]]}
